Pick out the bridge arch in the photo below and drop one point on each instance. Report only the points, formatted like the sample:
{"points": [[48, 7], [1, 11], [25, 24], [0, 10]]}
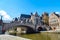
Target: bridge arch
{"points": [[28, 29]]}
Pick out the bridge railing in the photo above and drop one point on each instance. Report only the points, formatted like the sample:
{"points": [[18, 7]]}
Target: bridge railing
{"points": [[16, 23]]}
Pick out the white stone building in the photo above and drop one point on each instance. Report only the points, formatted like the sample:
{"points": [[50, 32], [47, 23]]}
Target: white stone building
{"points": [[54, 20]]}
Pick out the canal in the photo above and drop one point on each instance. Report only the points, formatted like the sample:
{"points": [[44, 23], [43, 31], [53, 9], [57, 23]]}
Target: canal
{"points": [[42, 36]]}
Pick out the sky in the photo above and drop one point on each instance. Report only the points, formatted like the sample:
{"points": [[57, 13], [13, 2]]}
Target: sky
{"points": [[10, 9]]}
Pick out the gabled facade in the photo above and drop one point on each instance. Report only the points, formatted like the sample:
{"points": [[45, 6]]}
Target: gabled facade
{"points": [[36, 19], [54, 21], [45, 18]]}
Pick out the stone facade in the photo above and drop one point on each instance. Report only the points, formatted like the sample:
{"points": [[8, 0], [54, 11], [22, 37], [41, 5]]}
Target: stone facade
{"points": [[54, 21], [21, 30], [35, 18], [33, 22], [45, 18]]}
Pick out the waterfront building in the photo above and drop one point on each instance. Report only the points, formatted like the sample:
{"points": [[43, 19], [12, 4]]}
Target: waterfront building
{"points": [[34, 18], [28, 23], [54, 21], [25, 18], [45, 18]]}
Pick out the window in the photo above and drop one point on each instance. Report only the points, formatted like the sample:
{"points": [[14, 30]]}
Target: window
{"points": [[53, 21]]}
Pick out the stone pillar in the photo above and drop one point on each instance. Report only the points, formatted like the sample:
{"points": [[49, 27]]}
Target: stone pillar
{"points": [[18, 30]]}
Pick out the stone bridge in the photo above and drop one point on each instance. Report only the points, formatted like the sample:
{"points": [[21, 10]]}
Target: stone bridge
{"points": [[17, 23], [25, 24]]}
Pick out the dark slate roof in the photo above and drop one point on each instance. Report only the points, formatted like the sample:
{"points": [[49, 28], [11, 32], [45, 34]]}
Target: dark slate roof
{"points": [[57, 14], [45, 13], [25, 16]]}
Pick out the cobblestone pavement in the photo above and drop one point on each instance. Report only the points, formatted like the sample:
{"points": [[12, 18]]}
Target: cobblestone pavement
{"points": [[10, 37]]}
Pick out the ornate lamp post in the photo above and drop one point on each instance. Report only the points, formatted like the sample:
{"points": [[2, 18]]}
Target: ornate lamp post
{"points": [[1, 25]]}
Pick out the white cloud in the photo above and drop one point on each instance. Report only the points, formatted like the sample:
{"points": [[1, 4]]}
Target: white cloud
{"points": [[57, 13], [5, 15]]}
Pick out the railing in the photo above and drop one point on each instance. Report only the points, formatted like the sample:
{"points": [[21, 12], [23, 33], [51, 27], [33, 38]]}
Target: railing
{"points": [[18, 23]]}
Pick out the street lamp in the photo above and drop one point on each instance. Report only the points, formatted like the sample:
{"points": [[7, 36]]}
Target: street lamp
{"points": [[1, 25]]}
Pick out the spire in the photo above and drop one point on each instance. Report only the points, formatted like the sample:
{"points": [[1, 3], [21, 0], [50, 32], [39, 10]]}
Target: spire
{"points": [[1, 21], [1, 17], [31, 13], [36, 14]]}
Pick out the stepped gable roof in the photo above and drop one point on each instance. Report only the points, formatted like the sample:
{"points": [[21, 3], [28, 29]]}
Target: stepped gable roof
{"points": [[45, 13], [36, 14], [25, 16]]}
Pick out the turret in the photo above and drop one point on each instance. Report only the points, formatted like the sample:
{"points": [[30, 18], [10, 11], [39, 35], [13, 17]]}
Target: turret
{"points": [[31, 13]]}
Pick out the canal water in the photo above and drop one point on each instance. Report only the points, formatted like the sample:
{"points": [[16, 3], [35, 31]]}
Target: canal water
{"points": [[43, 36]]}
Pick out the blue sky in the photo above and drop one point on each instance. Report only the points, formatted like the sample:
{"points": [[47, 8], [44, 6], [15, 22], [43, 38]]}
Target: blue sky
{"points": [[14, 8]]}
